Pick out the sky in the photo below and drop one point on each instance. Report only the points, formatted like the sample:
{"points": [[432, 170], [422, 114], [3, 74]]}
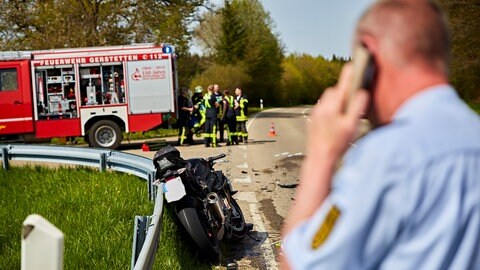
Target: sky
{"points": [[316, 27]]}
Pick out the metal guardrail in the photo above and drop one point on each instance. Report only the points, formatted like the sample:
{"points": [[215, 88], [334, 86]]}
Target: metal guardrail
{"points": [[145, 247]]}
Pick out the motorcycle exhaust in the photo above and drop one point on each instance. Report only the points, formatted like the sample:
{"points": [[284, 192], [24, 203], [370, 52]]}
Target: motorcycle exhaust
{"points": [[212, 199]]}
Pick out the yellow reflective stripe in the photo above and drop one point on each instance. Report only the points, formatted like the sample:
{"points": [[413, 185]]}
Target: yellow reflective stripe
{"points": [[206, 100], [242, 106], [242, 118], [214, 136], [230, 101], [182, 137], [326, 227]]}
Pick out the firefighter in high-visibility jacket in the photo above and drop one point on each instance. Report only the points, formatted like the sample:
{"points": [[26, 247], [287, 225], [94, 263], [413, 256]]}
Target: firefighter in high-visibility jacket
{"points": [[241, 111], [185, 108], [229, 117], [210, 131], [220, 123], [198, 114]]}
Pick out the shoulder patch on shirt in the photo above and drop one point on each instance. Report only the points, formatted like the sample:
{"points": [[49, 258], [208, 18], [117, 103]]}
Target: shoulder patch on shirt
{"points": [[326, 227]]}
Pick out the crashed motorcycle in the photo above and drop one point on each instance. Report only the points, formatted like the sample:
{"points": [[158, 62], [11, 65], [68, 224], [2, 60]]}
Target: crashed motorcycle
{"points": [[201, 199]]}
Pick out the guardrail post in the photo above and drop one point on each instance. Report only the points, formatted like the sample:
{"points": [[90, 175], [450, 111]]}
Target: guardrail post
{"points": [[5, 158], [103, 162], [42, 244], [139, 233], [152, 191]]}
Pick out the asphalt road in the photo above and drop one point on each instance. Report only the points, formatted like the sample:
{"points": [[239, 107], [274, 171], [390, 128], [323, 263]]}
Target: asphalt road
{"points": [[265, 171]]}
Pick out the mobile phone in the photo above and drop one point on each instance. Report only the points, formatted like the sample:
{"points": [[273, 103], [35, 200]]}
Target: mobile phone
{"points": [[363, 72]]}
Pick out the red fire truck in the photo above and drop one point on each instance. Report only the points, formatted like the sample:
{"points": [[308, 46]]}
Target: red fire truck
{"points": [[96, 92]]}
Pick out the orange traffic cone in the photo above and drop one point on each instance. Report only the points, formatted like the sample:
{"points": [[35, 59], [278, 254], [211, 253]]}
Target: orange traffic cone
{"points": [[145, 147], [272, 131]]}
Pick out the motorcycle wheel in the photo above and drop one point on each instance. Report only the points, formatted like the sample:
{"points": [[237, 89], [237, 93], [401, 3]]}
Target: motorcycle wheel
{"points": [[239, 229], [207, 242]]}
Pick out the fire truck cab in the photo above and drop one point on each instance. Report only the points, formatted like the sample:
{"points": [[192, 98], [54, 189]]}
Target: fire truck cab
{"points": [[96, 92]]}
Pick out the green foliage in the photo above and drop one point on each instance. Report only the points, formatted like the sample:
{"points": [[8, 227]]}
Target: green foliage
{"points": [[232, 45], [227, 76], [305, 78], [465, 30], [79, 23], [155, 133], [245, 39], [94, 210], [188, 67]]}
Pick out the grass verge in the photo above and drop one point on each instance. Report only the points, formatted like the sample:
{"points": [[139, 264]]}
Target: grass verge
{"points": [[156, 133], [94, 210]]}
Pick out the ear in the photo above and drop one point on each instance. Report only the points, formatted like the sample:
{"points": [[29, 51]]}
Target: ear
{"points": [[370, 43]]}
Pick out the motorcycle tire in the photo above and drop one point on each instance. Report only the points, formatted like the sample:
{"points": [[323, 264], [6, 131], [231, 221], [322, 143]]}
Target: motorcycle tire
{"points": [[240, 229], [196, 227]]}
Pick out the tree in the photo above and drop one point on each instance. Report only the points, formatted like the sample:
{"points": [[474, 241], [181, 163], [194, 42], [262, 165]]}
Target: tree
{"points": [[465, 31], [208, 33], [306, 77], [246, 39], [78, 23], [227, 76]]}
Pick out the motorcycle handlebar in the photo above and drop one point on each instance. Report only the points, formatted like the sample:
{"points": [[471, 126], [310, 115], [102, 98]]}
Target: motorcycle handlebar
{"points": [[211, 159], [168, 174]]}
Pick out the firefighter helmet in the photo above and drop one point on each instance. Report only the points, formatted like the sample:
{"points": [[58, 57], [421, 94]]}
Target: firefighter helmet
{"points": [[198, 89]]}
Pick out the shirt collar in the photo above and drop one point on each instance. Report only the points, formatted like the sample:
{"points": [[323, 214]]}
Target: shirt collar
{"points": [[424, 100]]}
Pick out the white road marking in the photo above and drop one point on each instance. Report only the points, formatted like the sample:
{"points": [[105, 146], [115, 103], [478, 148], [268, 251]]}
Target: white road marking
{"points": [[303, 112], [305, 116], [243, 166], [294, 155], [244, 180], [250, 121], [246, 196], [266, 246], [282, 154]]}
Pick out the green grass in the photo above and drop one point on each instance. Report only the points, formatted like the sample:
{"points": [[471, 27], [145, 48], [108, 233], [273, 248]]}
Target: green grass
{"points": [[156, 133], [94, 210]]}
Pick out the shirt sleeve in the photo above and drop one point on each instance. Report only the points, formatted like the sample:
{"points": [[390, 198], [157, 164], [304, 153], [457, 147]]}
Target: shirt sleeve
{"points": [[371, 204]]}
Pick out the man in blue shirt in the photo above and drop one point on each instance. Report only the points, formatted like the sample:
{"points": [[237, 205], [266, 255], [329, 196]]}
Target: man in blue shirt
{"points": [[407, 195]]}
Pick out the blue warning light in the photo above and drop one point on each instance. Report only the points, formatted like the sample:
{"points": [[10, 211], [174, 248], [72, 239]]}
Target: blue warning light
{"points": [[167, 49]]}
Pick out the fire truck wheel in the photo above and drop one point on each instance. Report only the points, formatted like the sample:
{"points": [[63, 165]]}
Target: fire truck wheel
{"points": [[105, 134]]}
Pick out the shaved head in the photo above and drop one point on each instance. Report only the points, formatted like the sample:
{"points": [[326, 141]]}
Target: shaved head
{"points": [[410, 32]]}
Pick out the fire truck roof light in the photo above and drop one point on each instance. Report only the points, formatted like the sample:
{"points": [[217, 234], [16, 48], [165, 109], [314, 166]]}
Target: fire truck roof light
{"points": [[15, 55]]}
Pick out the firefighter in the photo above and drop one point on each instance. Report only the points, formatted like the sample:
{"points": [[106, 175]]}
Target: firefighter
{"points": [[198, 114], [220, 123], [185, 108], [241, 111], [210, 131], [229, 117]]}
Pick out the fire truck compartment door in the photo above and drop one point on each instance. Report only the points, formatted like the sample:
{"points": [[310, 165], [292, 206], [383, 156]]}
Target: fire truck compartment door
{"points": [[150, 85], [15, 98]]}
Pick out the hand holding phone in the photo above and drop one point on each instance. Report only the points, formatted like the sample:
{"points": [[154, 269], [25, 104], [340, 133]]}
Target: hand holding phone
{"points": [[363, 73]]}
